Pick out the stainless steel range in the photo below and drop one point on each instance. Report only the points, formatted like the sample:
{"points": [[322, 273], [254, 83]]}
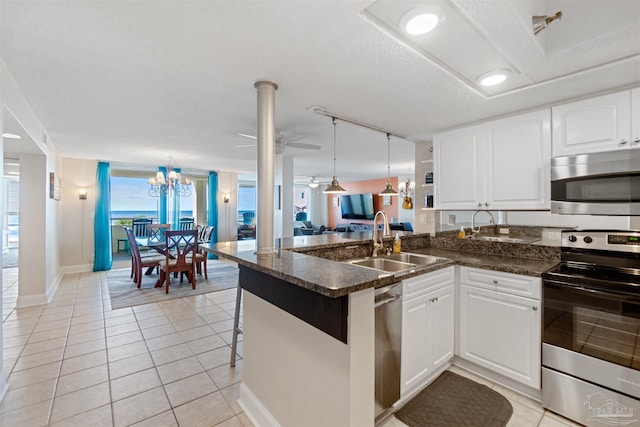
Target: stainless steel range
{"points": [[591, 329]]}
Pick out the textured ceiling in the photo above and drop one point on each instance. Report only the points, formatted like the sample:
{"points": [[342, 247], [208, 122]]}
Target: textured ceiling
{"points": [[134, 82]]}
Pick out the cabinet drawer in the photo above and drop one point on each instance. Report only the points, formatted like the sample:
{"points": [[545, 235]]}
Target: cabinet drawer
{"points": [[421, 284], [514, 284]]}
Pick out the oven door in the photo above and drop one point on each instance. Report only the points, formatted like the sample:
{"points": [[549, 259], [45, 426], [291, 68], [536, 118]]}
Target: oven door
{"points": [[593, 329]]}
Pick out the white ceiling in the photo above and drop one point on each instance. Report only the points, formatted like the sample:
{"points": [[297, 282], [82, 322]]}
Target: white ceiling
{"points": [[134, 82]]}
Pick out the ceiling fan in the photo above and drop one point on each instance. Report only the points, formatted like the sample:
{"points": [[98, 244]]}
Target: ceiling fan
{"points": [[283, 141]]}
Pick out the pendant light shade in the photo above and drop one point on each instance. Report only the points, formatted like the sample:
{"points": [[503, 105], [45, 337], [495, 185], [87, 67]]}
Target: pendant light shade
{"points": [[335, 187], [388, 189]]}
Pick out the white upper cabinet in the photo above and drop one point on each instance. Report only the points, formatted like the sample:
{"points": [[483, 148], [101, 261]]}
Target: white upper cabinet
{"points": [[517, 169], [502, 164], [604, 123], [456, 174]]}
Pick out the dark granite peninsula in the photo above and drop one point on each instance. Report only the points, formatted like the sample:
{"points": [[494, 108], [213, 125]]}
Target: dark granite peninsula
{"points": [[308, 320]]}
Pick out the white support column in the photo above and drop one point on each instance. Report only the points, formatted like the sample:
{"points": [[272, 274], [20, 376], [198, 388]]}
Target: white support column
{"points": [[265, 243], [287, 196]]}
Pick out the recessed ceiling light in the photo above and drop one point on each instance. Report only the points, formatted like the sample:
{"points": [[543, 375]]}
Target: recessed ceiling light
{"points": [[421, 19], [11, 136], [493, 78]]}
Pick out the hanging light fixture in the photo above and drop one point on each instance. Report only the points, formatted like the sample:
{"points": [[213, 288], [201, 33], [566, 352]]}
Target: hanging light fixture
{"points": [[314, 183], [388, 189], [335, 187], [173, 181]]}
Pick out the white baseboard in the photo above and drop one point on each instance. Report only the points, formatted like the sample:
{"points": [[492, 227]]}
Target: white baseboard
{"points": [[30, 300], [73, 269], [255, 410]]}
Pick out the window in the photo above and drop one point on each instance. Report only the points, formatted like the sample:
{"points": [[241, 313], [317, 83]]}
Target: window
{"points": [[246, 202], [130, 199]]}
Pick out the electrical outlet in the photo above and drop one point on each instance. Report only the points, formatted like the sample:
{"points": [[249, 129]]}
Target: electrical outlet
{"points": [[504, 231], [423, 219], [452, 220]]}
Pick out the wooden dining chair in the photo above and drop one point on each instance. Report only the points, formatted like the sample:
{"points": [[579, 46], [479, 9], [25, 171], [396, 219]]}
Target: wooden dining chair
{"points": [[181, 246], [156, 231], [139, 262], [204, 235]]}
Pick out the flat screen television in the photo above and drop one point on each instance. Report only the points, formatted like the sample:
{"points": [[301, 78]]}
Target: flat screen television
{"points": [[357, 206]]}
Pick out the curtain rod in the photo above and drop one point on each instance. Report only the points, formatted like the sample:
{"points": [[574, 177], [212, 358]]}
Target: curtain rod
{"points": [[355, 122]]}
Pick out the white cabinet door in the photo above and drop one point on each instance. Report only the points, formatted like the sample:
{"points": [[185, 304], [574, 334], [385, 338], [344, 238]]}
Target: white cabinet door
{"points": [[456, 176], [501, 332], [427, 336], [635, 118], [502, 164], [517, 169], [414, 366], [597, 124], [441, 321]]}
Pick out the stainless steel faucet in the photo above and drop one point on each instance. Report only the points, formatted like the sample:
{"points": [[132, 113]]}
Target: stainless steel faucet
{"points": [[386, 232], [473, 221]]}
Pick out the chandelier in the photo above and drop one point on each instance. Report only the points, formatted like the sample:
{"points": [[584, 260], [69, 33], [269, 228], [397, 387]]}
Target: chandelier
{"points": [[172, 182]]}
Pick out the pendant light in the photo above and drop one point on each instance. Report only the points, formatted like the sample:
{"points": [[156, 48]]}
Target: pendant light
{"points": [[388, 189], [335, 187]]}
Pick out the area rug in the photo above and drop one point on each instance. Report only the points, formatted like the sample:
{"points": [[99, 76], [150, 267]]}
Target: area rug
{"points": [[453, 400], [124, 292]]}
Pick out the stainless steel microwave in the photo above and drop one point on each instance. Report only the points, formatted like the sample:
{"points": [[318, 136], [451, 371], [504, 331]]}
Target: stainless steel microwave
{"points": [[606, 183]]}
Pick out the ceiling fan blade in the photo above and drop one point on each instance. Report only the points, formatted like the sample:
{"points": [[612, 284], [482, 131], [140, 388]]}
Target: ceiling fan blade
{"points": [[303, 146], [248, 136], [245, 145]]}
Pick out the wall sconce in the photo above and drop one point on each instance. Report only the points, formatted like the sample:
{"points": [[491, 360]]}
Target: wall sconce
{"points": [[226, 198], [82, 194]]}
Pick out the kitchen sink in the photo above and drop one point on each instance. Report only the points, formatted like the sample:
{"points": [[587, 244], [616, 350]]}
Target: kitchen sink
{"points": [[415, 258], [498, 239], [384, 264], [396, 262]]}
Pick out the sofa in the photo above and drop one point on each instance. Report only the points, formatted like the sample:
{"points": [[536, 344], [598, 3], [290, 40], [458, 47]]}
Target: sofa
{"points": [[306, 228]]}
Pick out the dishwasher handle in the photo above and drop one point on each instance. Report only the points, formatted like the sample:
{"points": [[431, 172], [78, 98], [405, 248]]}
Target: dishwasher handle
{"points": [[386, 300]]}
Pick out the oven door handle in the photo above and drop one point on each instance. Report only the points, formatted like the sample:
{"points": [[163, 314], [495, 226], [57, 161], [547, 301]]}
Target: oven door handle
{"points": [[610, 294]]}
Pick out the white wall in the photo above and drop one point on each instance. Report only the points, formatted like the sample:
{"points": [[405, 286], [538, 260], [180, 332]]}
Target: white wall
{"points": [[545, 219], [48, 211], [77, 247], [15, 103], [296, 375]]}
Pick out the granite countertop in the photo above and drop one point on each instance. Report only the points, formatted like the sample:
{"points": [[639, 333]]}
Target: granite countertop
{"points": [[327, 275], [507, 264]]}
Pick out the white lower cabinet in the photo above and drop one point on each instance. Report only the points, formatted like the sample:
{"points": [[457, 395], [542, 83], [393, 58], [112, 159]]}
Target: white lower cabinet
{"points": [[427, 327], [501, 331]]}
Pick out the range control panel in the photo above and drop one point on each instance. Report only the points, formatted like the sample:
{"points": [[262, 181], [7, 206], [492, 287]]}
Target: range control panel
{"points": [[612, 240]]}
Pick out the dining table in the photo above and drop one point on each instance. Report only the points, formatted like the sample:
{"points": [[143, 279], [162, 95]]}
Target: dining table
{"points": [[158, 245]]}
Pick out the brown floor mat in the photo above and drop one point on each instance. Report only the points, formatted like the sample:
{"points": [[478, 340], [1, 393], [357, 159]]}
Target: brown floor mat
{"points": [[452, 400]]}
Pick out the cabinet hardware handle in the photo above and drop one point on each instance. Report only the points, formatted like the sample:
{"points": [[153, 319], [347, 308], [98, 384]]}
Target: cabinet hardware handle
{"points": [[535, 308], [636, 140], [623, 141], [495, 282], [479, 204], [486, 204]]}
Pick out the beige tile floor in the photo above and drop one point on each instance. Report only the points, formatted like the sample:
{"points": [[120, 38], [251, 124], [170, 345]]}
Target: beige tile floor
{"points": [[76, 362]]}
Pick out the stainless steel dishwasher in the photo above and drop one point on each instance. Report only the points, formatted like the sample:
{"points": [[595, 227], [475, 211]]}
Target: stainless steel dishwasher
{"points": [[388, 324]]}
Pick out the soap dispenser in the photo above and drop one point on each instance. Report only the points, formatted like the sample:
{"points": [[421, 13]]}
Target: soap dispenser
{"points": [[397, 244], [461, 233]]}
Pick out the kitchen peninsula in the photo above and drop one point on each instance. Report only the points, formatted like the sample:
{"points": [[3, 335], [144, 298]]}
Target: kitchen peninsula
{"points": [[309, 338]]}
